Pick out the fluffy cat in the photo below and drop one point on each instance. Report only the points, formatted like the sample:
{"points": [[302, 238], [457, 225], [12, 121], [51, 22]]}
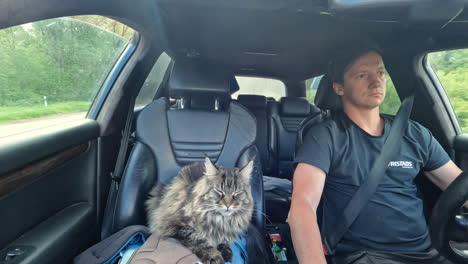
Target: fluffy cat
{"points": [[205, 208]]}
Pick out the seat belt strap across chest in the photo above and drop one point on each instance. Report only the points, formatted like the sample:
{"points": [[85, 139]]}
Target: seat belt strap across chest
{"points": [[376, 174]]}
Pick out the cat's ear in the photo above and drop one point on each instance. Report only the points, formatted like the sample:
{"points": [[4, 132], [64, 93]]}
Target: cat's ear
{"points": [[210, 168], [246, 172]]}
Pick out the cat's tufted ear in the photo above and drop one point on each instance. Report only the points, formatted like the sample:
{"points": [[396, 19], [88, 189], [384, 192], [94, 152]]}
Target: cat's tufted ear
{"points": [[210, 168], [246, 171]]}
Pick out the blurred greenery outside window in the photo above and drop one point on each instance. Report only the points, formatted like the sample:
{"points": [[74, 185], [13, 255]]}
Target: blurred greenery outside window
{"points": [[389, 106], [57, 66], [451, 67], [260, 86], [153, 81]]}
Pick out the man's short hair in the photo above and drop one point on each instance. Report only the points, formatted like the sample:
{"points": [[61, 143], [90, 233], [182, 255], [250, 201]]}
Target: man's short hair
{"points": [[347, 56]]}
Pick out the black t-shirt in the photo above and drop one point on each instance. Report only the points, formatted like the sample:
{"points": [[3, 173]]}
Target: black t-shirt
{"points": [[393, 220]]}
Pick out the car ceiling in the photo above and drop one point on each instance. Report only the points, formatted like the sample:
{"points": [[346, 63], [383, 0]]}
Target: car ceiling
{"points": [[290, 40]]}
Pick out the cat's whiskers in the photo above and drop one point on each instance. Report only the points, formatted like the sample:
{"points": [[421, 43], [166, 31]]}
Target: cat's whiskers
{"points": [[256, 210], [210, 208]]}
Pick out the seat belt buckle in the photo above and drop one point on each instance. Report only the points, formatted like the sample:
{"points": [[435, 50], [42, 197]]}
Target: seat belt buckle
{"points": [[115, 180], [327, 250]]}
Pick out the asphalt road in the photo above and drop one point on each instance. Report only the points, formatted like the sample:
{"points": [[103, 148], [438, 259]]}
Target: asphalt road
{"points": [[21, 126]]}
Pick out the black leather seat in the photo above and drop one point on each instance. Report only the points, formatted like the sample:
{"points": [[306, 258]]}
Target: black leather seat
{"points": [[288, 116], [327, 100], [205, 122], [266, 138]]}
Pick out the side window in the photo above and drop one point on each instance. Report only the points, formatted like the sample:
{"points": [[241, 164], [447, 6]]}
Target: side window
{"points": [[392, 101], [311, 87], [261, 86], [451, 68], [389, 106], [153, 81], [51, 70]]}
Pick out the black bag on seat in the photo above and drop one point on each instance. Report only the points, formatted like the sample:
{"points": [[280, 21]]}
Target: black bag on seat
{"points": [[108, 250]]}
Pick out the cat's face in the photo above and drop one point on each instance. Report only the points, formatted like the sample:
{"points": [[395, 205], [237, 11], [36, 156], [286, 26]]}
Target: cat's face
{"points": [[227, 190]]}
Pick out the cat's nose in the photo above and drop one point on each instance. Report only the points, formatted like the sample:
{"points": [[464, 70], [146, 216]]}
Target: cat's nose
{"points": [[227, 205]]}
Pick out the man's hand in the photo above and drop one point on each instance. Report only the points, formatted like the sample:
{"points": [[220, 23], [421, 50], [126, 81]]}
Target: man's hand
{"points": [[307, 189], [444, 176]]}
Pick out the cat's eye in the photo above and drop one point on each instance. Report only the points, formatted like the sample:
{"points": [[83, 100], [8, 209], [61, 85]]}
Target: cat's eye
{"points": [[219, 192], [239, 195]]}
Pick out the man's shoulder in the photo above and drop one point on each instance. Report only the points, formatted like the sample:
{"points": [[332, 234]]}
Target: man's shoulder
{"points": [[325, 126], [414, 129]]}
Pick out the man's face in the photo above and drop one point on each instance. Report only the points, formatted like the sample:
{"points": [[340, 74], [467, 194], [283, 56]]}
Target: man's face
{"points": [[364, 83]]}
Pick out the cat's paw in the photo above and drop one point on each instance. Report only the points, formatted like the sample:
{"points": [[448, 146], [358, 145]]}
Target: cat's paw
{"points": [[226, 252], [214, 259]]}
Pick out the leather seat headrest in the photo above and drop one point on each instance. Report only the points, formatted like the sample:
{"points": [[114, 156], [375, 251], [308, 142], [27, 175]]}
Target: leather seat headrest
{"points": [[253, 101], [326, 98], [294, 106], [193, 77]]}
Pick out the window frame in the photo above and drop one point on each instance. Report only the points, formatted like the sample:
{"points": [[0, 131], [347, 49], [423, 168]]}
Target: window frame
{"points": [[441, 92]]}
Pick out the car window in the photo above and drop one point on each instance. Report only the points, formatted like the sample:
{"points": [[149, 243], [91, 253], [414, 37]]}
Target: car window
{"points": [[392, 101], [451, 67], [153, 81], [389, 106], [311, 87], [260, 86], [51, 70]]}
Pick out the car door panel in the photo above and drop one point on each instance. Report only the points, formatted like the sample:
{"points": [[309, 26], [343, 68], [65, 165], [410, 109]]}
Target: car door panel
{"points": [[461, 150], [23, 148], [51, 195]]}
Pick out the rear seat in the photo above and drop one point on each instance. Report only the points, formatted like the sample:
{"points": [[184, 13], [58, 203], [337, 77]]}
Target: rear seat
{"points": [[288, 115], [278, 124], [265, 141]]}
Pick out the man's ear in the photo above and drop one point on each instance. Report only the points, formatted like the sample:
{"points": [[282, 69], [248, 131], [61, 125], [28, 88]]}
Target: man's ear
{"points": [[338, 88]]}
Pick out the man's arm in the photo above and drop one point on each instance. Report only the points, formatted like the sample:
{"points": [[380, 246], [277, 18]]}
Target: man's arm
{"points": [[308, 185], [445, 175]]}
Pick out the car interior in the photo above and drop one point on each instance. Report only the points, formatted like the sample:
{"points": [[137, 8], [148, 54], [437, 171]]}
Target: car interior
{"points": [[56, 195]]}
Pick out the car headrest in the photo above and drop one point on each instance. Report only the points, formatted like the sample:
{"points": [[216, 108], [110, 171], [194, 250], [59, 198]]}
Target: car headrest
{"points": [[326, 98], [193, 77], [253, 101], [294, 106]]}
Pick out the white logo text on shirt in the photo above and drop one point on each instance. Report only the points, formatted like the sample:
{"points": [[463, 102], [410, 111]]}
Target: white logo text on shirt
{"points": [[401, 163]]}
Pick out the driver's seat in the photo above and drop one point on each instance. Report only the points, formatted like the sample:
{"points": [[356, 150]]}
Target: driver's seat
{"points": [[205, 122]]}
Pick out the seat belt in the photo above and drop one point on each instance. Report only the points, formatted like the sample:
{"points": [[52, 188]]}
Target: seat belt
{"points": [[376, 174], [116, 175]]}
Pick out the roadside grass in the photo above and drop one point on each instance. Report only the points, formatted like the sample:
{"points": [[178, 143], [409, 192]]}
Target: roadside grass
{"points": [[463, 119], [460, 106], [12, 113]]}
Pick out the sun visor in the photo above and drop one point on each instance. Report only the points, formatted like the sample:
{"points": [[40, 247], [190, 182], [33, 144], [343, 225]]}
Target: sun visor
{"points": [[426, 13]]}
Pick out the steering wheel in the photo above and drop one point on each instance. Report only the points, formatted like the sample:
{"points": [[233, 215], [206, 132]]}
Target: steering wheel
{"points": [[449, 221]]}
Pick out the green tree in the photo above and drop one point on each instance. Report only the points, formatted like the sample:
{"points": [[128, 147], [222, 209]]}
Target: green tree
{"points": [[64, 59], [451, 68]]}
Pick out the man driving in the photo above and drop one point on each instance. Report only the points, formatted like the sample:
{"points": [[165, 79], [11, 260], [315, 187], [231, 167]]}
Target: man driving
{"points": [[335, 159]]}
